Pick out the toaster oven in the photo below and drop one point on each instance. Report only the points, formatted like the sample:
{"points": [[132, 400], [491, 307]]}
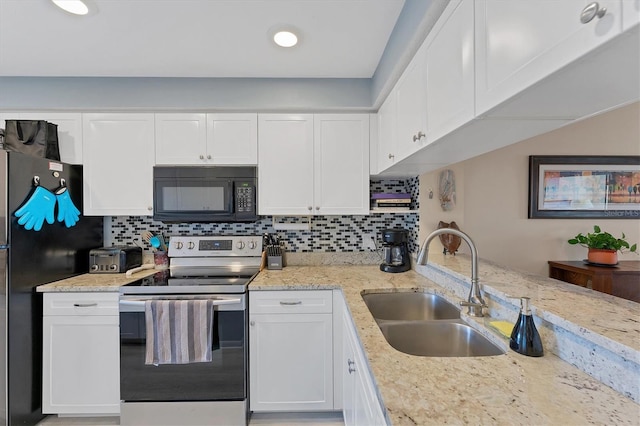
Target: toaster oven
{"points": [[114, 260]]}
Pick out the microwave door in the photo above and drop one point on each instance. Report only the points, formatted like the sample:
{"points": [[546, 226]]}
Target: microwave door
{"points": [[193, 199]]}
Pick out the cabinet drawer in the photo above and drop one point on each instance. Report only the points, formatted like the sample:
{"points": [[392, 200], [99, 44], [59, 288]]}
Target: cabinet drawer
{"points": [[91, 303], [287, 302]]}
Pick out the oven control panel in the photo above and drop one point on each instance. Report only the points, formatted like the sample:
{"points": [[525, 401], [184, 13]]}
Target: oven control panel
{"points": [[215, 246]]}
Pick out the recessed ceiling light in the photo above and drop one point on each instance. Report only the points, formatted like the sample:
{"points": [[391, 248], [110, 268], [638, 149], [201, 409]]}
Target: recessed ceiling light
{"points": [[77, 7], [285, 39]]}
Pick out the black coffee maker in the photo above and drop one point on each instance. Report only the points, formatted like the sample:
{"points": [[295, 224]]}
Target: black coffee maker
{"points": [[395, 251]]}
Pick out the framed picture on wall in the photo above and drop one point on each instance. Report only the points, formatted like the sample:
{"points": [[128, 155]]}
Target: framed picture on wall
{"points": [[570, 187]]}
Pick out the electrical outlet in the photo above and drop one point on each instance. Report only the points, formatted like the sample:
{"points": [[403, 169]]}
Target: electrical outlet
{"points": [[369, 241]]}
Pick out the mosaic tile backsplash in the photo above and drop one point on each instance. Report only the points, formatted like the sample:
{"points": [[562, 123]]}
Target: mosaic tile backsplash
{"points": [[326, 233]]}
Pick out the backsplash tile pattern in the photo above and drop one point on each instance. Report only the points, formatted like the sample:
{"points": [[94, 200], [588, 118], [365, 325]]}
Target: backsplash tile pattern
{"points": [[326, 233]]}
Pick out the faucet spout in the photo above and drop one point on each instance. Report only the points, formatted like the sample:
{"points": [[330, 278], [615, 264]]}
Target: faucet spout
{"points": [[475, 302]]}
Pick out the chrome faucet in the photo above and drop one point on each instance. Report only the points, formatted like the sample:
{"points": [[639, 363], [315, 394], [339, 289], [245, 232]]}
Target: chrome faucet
{"points": [[474, 301]]}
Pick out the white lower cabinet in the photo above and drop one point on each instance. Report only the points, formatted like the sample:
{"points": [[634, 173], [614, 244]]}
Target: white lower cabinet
{"points": [[290, 350], [360, 403], [81, 355]]}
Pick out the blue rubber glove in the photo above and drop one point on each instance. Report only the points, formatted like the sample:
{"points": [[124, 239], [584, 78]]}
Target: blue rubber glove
{"points": [[67, 211], [38, 208]]}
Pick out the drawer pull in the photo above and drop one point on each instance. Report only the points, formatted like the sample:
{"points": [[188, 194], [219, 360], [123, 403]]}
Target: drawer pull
{"points": [[299, 302], [350, 365], [84, 305]]}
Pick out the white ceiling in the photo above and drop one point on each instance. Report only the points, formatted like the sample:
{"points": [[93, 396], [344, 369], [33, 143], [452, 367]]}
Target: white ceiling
{"points": [[195, 38]]}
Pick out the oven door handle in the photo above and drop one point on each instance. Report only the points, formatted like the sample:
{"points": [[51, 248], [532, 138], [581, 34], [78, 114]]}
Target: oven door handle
{"points": [[141, 302]]}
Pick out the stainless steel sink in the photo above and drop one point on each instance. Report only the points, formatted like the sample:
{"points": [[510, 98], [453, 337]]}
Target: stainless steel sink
{"points": [[410, 306], [437, 339]]}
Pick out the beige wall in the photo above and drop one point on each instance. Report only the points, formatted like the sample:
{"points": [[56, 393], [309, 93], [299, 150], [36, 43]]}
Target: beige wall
{"points": [[492, 195]]}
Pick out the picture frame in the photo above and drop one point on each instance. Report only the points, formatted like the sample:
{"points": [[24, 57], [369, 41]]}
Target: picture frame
{"points": [[571, 187]]}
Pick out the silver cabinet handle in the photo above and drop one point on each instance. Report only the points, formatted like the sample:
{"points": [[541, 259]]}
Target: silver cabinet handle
{"points": [[391, 156], [201, 157], [252, 323], [84, 305], [309, 208], [299, 302], [591, 11], [208, 157], [350, 366], [419, 136]]}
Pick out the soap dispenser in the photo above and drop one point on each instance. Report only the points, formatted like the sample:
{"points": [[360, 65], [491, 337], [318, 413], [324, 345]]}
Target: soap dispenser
{"points": [[525, 338]]}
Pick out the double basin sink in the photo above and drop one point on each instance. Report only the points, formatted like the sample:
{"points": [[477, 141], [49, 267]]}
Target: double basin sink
{"points": [[425, 324]]}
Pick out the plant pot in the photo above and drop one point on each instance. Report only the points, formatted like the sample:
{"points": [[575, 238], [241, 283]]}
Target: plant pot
{"points": [[605, 257]]}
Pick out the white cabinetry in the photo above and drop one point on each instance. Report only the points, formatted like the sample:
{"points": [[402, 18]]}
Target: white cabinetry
{"points": [[450, 71], [411, 106], [436, 93], [290, 350], [313, 164], [361, 405], [69, 130], [518, 43], [118, 164], [181, 138], [386, 147], [206, 139], [81, 356]]}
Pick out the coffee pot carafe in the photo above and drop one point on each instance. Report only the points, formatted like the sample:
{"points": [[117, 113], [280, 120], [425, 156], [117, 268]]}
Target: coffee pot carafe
{"points": [[395, 251]]}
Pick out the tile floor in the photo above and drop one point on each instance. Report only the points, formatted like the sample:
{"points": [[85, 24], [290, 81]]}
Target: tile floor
{"points": [[262, 419]]}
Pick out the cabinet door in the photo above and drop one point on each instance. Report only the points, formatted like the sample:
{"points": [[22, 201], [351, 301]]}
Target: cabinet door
{"points": [[69, 130], [81, 365], [341, 158], [411, 98], [232, 139], [360, 402], [285, 168], [291, 362], [450, 71], [118, 164], [181, 139], [386, 153], [518, 43]]}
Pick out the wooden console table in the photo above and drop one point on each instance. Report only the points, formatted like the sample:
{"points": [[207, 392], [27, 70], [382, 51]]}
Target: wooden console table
{"points": [[623, 280]]}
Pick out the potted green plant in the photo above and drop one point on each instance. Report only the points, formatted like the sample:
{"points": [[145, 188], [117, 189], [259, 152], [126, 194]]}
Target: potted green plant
{"points": [[603, 247]]}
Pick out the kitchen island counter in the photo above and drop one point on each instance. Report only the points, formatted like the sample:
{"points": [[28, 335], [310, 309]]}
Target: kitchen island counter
{"points": [[504, 389]]}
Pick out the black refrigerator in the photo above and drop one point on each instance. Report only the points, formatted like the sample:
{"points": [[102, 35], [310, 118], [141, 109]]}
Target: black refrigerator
{"points": [[28, 258]]}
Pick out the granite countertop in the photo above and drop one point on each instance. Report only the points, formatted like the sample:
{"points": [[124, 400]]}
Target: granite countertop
{"points": [[94, 282], [506, 389]]}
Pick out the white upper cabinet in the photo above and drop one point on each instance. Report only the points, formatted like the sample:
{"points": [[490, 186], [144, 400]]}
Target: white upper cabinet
{"points": [[206, 139], [341, 164], [181, 139], [69, 130], [411, 107], [518, 43], [450, 71], [285, 171], [313, 165], [386, 136], [118, 164], [233, 138]]}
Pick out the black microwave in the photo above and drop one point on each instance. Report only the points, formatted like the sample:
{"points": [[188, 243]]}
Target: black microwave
{"points": [[205, 194]]}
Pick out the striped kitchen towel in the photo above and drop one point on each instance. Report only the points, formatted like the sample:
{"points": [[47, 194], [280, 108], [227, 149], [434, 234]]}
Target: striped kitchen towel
{"points": [[178, 331]]}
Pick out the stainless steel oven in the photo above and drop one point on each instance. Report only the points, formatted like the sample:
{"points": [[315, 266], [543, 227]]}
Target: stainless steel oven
{"points": [[213, 392]]}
